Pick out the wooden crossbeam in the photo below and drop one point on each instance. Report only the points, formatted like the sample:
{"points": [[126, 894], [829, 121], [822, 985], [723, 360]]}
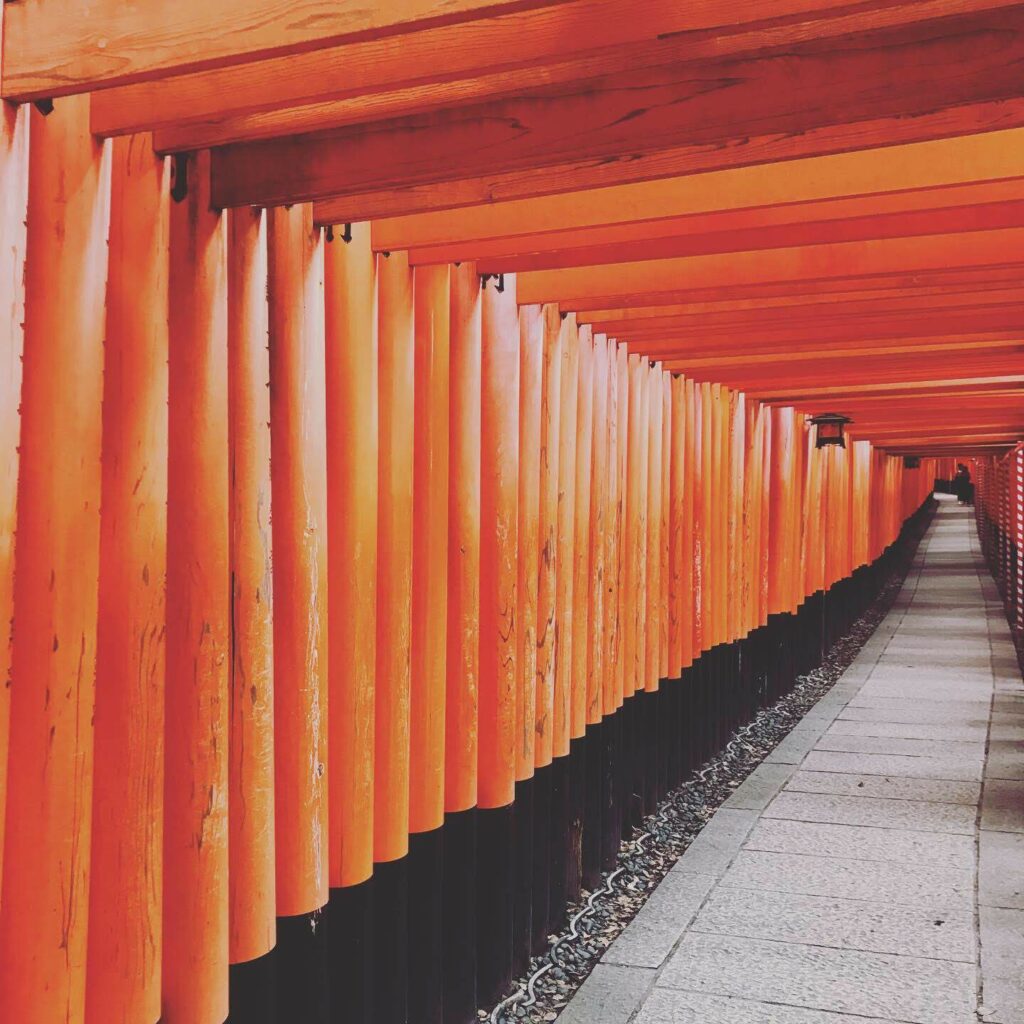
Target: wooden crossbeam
{"points": [[54, 48], [750, 231], [874, 88], [645, 283], [833, 394], [484, 59], [893, 180]]}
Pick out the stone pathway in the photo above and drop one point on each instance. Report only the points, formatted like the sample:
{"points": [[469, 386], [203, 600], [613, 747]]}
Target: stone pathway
{"points": [[871, 870]]}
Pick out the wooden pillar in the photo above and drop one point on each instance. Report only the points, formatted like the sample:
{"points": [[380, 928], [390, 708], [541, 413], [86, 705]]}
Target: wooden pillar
{"points": [[127, 857], [463, 648], [394, 635], [499, 501], [13, 215], [655, 608], [429, 640], [564, 625], [581, 581], [251, 869], [52, 662], [195, 975], [550, 426], [298, 437], [597, 578], [351, 384]]}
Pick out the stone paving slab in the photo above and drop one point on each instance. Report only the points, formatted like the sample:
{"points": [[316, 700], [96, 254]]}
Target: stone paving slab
{"points": [[1002, 961], [879, 812], [760, 787], [841, 924], [939, 886], [890, 787], [1000, 871], [610, 995], [1002, 806], [962, 769], [910, 730], [870, 984], [915, 714], [651, 936], [667, 1006], [894, 846]]}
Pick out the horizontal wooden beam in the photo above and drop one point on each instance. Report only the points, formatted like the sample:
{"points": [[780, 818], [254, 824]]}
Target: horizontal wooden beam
{"points": [[749, 231], [871, 89], [500, 228], [55, 48], [836, 393], [922, 348], [785, 307], [624, 284], [484, 59], [753, 293]]}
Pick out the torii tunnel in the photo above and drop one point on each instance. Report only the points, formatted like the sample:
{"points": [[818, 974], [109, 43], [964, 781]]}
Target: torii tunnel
{"points": [[411, 454]]}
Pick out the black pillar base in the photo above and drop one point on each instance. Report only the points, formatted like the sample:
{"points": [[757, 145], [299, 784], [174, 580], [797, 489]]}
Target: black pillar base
{"points": [[522, 910], [390, 942], [494, 900], [350, 933], [426, 933], [303, 986], [252, 990], [458, 967]]}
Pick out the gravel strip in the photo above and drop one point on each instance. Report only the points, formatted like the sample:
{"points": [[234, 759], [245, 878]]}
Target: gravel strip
{"points": [[645, 859]]}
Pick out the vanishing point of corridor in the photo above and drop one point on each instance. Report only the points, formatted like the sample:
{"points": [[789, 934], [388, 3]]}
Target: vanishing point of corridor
{"points": [[872, 869]]}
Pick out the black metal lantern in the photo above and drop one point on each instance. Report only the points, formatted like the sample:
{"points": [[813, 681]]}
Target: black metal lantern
{"points": [[830, 428], [911, 461]]}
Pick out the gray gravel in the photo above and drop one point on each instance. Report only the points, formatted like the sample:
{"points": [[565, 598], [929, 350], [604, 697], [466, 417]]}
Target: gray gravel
{"points": [[645, 859]]}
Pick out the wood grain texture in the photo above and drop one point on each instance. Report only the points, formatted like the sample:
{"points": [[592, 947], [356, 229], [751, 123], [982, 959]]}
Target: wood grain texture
{"points": [[874, 88]]}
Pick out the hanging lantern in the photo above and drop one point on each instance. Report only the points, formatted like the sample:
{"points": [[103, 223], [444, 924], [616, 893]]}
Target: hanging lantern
{"points": [[830, 428], [911, 461]]}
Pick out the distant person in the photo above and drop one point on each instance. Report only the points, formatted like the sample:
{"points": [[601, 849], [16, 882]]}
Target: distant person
{"points": [[962, 486]]}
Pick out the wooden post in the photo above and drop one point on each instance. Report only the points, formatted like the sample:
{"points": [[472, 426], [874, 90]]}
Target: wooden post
{"points": [[251, 848], [499, 501], [45, 895], [13, 216], [351, 385], [429, 640], [461, 698], [394, 636], [195, 961], [123, 981]]}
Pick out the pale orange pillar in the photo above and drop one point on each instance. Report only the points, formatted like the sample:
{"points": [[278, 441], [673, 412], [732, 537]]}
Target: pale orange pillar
{"points": [[499, 503], [298, 469], [253, 906], [195, 960], [352, 453], [566, 536], [697, 484], [689, 556], [596, 585], [430, 550], [547, 530], [13, 209], [655, 608], [394, 558], [634, 597], [582, 584], [45, 898], [678, 556], [665, 398], [123, 982], [622, 610], [531, 372], [782, 485], [610, 535], [463, 542]]}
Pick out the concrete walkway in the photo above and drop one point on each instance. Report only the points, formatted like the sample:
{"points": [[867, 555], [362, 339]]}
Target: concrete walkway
{"points": [[872, 869]]}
